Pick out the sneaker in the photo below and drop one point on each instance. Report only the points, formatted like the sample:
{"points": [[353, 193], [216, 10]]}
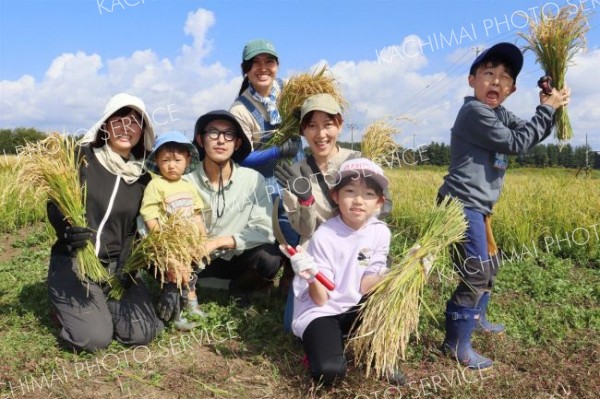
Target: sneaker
{"points": [[396, 377], [183, 324], [193, 309]]}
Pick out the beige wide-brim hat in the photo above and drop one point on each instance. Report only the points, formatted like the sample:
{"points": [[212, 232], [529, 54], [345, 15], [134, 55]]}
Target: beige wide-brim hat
{"points": [[117, 102]]}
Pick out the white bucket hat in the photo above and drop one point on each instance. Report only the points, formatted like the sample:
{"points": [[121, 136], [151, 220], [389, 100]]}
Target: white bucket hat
{"points": [[117, 102]]}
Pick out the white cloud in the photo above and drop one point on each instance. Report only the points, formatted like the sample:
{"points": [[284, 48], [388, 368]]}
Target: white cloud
{"points": [[584, 109], [395, 86], [77, 85], [197, 25], [398, 82]]}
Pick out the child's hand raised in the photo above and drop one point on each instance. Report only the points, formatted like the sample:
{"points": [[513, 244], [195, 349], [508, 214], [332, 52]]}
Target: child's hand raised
{"points": [[557, 98]]}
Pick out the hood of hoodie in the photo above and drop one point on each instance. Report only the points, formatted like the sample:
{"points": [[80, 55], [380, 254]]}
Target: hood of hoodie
{"points": [[116, 103], [343, 230]]}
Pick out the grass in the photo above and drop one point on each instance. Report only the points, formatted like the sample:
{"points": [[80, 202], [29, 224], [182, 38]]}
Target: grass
{"points": [[549, 304]]}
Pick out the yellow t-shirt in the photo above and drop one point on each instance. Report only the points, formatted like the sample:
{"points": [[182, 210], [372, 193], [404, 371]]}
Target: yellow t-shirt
{"points": [[163, 197]]}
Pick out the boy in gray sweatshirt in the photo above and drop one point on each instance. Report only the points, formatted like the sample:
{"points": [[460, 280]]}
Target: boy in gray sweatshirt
{"points": [[483, 136]]}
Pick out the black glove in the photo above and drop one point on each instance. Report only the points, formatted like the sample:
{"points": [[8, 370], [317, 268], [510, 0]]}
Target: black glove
{"points": [[289, 177], [127, 279], [56, 219], [77, 237], [290, 148], [170, 302]]}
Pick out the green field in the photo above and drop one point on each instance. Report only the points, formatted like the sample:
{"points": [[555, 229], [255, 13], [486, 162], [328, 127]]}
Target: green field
{"points": [[547, 295]]}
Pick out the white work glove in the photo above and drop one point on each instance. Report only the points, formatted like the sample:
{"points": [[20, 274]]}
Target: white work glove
{"points": [[302, 263], [426, 261]]}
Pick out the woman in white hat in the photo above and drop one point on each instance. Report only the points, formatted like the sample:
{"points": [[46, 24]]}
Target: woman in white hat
{"points": [[114, 150]]}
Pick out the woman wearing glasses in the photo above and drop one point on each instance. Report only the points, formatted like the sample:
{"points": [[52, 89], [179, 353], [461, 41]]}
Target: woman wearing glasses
{"points": [[113, 151], [239, 223]]}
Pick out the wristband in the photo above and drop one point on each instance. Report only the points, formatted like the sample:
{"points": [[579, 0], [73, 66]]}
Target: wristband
{"points": [[307, 202]]}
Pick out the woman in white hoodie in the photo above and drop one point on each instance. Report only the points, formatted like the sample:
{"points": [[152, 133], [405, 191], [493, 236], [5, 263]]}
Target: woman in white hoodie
{"points": [[114, 151]]}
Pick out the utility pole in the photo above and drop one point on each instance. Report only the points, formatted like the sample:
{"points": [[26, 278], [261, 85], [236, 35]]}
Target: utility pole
{"points": [[478, 50], [585, 168], [352, 126]]}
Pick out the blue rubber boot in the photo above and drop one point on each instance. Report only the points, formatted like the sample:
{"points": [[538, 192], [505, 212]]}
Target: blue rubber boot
{"points": [[484, 325], [460, 323]]}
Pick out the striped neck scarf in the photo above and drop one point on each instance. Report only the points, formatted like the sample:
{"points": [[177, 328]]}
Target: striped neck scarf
{"points": [[270, 102]]}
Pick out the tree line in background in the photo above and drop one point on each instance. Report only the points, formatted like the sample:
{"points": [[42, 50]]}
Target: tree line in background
{"points": [[542, 155], [11, 140]]}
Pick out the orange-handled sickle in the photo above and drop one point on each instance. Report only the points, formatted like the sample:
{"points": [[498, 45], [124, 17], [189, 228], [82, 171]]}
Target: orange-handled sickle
{"points": [[319, 276]]}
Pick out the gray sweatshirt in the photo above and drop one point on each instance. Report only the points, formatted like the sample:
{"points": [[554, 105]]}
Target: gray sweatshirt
{"points": [[479, 136]]}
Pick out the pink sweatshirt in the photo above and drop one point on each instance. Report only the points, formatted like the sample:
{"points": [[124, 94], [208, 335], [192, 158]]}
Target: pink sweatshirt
{"points": [[344, 255]]}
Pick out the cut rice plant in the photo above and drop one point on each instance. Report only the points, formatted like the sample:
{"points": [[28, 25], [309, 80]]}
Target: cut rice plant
{"points": [[297, 89], [555, 40], [391, 312], [168, 252], [378, 142], [51, 168]]}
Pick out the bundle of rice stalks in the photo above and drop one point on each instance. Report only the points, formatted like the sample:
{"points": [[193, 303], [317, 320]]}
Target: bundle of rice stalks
{"points": [[297, 89], [378, 142], [51, 168], [391, 313], [170, 250], [555, 39]]}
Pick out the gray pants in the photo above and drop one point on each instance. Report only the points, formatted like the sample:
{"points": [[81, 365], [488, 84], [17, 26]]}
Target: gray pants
{"points": [[89, 320]]}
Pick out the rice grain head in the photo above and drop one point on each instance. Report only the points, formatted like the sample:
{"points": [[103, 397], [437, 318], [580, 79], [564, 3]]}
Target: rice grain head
{"points": [[378, 142], [295, 91], [171, 249], [51, 168], [555, 40], [390, 315]]}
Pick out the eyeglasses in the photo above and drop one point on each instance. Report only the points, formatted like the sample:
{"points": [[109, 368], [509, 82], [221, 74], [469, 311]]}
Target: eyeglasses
{"points": [[213, 134]]}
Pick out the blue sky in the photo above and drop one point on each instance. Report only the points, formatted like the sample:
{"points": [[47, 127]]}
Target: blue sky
{"points": [[61, 60]]}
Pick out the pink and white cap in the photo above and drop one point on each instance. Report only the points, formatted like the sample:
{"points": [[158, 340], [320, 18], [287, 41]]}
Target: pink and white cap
{"points": [[363, 167]]}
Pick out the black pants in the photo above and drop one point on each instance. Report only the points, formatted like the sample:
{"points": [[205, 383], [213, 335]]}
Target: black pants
{"points": [[265, 259], [323, 342], [89, 321]]}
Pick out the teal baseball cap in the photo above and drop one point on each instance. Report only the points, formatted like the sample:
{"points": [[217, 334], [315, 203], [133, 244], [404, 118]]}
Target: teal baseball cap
{"points": [[256, 47]]}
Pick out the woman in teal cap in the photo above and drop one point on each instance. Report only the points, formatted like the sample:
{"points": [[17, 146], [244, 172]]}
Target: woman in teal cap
{"points": [[256, 110]]}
